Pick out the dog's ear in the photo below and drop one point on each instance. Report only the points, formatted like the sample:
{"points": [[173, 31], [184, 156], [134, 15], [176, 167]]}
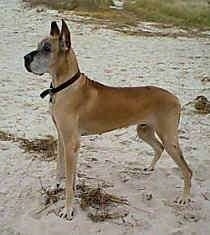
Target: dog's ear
{"points": [[65, 37], [54, 31]]}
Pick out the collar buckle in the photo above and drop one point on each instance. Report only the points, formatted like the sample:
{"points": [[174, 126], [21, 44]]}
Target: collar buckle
{"points": [[52, 90]]}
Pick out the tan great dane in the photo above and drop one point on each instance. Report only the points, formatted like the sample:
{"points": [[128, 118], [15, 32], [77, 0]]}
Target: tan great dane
{"points": [[81, 106]]}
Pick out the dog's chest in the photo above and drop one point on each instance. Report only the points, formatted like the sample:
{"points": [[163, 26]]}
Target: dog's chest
{"points": [[52, 107]]}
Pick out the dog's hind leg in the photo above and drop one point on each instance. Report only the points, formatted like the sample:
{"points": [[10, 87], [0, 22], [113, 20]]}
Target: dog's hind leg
{"points": [[167, 129], [172, 147], [147, 133]]}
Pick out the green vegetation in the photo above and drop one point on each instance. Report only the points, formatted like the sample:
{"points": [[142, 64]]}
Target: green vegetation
{"points": [[178, 12], [72, 4], [193, 13]]}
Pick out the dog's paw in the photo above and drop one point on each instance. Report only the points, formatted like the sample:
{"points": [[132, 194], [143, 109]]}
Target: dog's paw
{"points": [[67, 213], [183, 200]]}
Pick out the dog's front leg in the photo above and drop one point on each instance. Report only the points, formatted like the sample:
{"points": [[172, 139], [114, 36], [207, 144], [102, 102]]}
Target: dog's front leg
{"points": [[71, 146], [60, 169]]}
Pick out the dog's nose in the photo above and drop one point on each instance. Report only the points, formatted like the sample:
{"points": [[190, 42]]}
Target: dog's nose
{"points": [[28, 58]]}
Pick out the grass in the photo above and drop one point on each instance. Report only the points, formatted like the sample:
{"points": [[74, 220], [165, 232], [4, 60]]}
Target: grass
{"points": [[98, 204], [44, 148], [72, 4], [187, 13], [178, 12]]}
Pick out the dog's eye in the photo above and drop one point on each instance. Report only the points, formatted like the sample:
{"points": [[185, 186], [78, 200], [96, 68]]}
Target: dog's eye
{"points": [[47, 47]]}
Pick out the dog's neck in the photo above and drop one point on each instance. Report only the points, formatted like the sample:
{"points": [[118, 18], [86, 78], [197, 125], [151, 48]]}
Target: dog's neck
{"points": [[65, 69]]}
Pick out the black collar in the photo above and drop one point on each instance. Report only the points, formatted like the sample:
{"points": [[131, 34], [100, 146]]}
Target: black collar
{"points": [[52, 90]]}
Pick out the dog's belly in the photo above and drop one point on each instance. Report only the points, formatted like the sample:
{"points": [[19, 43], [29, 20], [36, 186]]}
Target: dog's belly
{"points": [[92, 130], [112, 121]]}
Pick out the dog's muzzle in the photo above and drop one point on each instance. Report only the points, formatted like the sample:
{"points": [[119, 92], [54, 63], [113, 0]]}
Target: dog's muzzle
{"points": [[28, 59]]}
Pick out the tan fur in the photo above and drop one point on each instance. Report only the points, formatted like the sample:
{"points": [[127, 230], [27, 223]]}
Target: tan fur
{"points": [[88, 107]]}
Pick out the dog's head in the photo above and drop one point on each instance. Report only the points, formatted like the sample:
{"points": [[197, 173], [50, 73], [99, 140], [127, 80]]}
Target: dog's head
{"points": [[50, 51]]}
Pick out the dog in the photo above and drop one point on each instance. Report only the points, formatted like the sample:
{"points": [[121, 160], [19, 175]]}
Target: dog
{"points": [[80, 106]]}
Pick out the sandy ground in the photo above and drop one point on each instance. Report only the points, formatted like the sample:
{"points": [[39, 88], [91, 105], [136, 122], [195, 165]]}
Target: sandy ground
{"points": [[114, 158]]}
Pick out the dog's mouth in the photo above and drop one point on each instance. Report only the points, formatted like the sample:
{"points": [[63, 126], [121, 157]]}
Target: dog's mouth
{"points": [[27, 66], [27, 61], [40, 74]]}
